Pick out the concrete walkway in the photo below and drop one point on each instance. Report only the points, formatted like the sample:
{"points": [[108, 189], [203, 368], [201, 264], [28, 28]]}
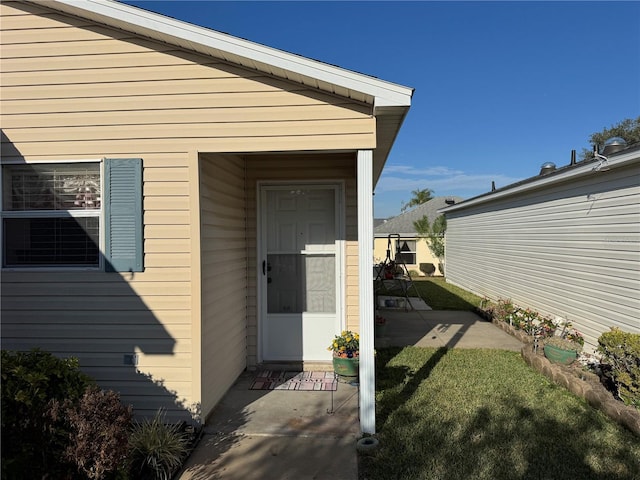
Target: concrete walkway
{"points": [[280, 435], [262, 434], [442, 328]]}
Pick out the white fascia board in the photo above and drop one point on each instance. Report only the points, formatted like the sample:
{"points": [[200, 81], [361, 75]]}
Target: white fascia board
{"points": [[547, 180], [171, 30], [404, 236]]}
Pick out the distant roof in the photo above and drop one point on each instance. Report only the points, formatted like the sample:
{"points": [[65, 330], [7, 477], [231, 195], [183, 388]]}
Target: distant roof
{"points": [[378, 221], [403, 223]]}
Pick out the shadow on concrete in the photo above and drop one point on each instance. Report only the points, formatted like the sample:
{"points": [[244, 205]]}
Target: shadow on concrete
{"points": [[278, 434], [442, 328]]}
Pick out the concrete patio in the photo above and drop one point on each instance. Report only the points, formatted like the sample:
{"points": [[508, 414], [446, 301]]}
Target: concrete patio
{"points": [[262, 434]]}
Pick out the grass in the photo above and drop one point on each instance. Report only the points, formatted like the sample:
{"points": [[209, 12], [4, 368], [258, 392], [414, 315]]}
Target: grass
{"points": [[484, 414], [440, 295]]}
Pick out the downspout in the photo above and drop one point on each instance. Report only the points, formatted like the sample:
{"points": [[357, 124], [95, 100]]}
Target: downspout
{"points": [[365, 263]]}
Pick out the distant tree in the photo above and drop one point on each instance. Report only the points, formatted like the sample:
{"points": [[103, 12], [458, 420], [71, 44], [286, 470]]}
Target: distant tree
{"points": [[419, 197], [628, 129], [433, 234]]}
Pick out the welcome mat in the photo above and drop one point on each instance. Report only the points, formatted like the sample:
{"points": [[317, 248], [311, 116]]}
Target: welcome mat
{"points": [[300, 381]]}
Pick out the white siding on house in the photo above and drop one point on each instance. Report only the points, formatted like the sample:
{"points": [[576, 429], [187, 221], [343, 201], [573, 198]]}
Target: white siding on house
{"points": [[570, 249]]}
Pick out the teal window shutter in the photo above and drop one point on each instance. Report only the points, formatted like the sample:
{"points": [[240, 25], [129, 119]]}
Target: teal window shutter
{"points": [[123, 215]]}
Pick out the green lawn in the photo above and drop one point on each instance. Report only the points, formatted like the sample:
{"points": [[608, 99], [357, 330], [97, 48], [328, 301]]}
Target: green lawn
{"points": [[440, 295], [484, 414]]}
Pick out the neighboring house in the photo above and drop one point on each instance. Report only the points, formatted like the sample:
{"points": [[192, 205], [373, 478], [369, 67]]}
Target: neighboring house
{"points": [[566, 244], [410, 249], [180, 205]]}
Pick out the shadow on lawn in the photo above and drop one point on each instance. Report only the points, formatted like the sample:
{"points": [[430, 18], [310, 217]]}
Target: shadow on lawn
{"points": [[440, 297], [394, 376], [509, 439]]}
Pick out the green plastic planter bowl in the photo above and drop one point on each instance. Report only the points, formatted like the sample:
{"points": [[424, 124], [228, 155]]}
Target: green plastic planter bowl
{"points": [[560, 355], [346, 368]]}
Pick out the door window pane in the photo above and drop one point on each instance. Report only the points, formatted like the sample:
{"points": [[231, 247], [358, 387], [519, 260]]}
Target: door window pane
{"points": [[320, 283], [301, 283], [284, 292]]}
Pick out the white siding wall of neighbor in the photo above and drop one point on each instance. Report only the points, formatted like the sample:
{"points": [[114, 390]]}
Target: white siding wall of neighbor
{"points": [[74, 90], [570, 250]]}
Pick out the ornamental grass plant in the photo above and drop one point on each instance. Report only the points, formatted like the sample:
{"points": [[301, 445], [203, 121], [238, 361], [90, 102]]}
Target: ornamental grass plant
{"points": [[158, 448]]}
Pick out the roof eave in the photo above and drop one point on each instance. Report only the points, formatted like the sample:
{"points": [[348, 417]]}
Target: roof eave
{"points": [[533, 183], [237, 50], [390, 101]]}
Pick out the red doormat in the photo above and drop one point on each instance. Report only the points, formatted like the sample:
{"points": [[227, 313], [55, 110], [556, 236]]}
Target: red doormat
{"points": [[300, 381]]}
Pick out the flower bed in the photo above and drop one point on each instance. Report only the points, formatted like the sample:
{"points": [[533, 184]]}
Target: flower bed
{"points": [[583, 377], [584, 384]]}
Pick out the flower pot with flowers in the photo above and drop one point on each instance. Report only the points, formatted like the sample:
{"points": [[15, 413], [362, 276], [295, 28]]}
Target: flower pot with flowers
{"points": [[346, 355], [563, 347]]}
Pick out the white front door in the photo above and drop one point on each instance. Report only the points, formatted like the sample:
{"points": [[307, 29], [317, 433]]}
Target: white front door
{"points": [[300, 271]]}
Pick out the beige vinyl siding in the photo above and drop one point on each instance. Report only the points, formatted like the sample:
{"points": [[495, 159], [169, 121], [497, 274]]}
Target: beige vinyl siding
{"points": [[572, 250], [72, 90], [101, 317], [224, 275], [104, 90], [303, 168]]}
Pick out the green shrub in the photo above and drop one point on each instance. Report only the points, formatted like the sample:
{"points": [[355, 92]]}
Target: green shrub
{"points": [[157, 448], [621, 363], [33, 444], [99, 432]]}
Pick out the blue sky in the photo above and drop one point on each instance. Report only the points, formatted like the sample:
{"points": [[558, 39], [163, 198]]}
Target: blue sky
{"points": [[500, 87]]}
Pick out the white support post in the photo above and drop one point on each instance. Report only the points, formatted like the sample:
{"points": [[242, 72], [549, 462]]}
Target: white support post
{"points": [[365, 272]]}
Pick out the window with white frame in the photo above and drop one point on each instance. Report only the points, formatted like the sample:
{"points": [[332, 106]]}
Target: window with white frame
{"points": [[51, 214], [59, 214], [406, 252]]}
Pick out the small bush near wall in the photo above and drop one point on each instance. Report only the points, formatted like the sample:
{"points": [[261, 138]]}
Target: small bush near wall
{"points": [[99, 426], [620, 364], [33, 444], [56, 423]]}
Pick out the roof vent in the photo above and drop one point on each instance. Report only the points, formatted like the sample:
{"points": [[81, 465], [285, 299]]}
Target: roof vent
{"points": [[450, 201], [547, 168], [613, 145]]}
